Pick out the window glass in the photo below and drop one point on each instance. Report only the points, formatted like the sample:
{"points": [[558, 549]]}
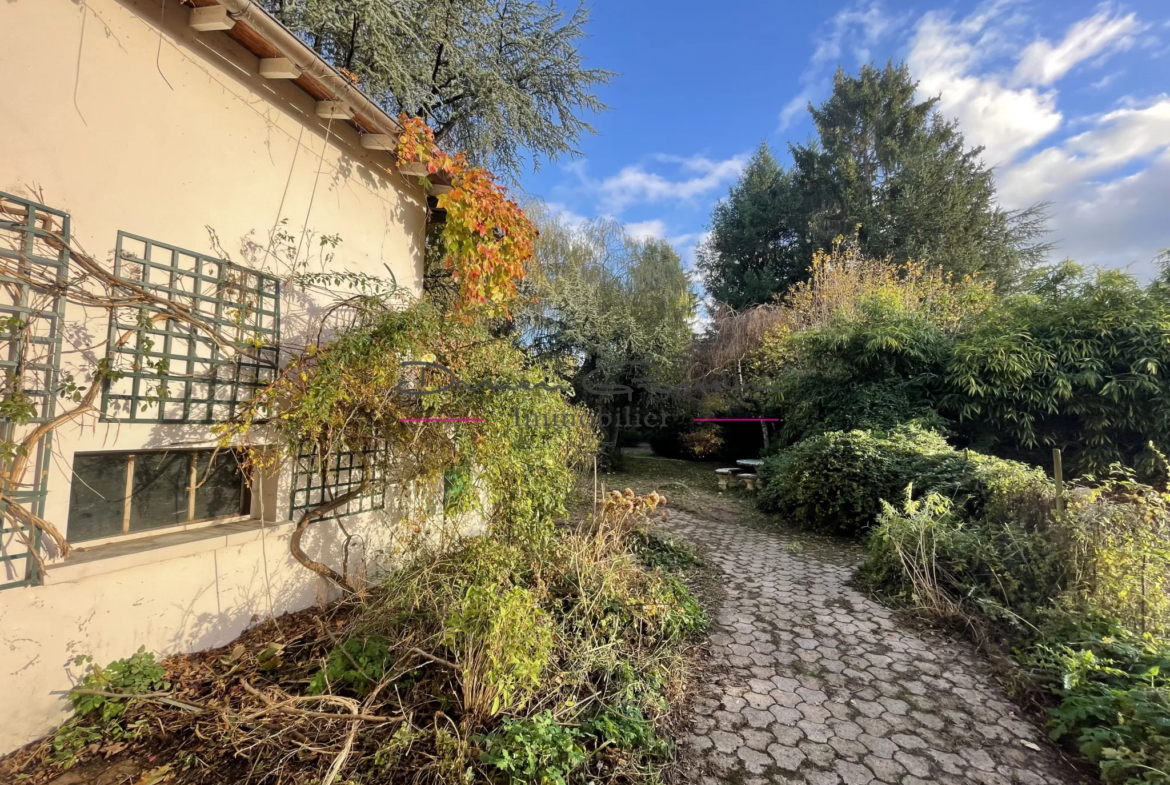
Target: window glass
{"points": [[161, 481], [219, 490], [96, 496], [160, 491]]}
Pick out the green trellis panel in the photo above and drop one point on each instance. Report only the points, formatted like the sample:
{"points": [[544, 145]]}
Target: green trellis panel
{"points": [[196, 382], [34, 256], [315, 481]]}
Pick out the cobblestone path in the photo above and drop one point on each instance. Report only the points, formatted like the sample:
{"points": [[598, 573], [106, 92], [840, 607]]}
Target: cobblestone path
{"points": [[812, 682]]}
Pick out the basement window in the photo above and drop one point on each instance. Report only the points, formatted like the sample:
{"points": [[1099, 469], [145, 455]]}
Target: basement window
{"points": [[123, 493]]}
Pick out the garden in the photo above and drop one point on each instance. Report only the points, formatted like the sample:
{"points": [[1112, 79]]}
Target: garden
{"points": [[921, 414], [989, 433]]}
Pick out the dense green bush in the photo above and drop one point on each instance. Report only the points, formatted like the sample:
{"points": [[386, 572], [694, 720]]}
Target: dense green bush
{"points": [[1077, 363], [821, 403], [835, 482]]}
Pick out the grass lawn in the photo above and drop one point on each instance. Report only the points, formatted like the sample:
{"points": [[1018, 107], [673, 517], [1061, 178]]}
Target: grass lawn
{"points": [[688, 485]]}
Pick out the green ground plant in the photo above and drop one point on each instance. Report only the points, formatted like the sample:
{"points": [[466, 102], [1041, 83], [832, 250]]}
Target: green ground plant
{"points": [[555, 659], [1114, 696], [1080, 593]]}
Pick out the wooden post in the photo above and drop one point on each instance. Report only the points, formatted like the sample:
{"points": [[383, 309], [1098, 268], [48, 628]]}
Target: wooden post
{"points": [[595, 487], [1058, 475]]}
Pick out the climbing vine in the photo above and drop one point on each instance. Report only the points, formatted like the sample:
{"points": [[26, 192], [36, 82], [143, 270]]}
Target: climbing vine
{"points": [[375, 389], [487, 238]]}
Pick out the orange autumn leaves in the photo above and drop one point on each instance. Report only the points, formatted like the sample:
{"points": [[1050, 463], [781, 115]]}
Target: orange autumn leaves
{"points": [[489, 240]]}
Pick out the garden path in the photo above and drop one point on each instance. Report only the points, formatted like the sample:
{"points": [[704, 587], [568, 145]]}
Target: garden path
{"points": [[813, 682]]}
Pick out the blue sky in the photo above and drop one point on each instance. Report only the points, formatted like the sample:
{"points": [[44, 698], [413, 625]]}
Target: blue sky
{"points": [[1070, 98]]}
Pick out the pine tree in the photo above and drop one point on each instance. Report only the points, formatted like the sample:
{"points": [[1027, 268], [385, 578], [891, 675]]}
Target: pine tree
{"points": [[885, 166], [754, 249], [897, 172]]}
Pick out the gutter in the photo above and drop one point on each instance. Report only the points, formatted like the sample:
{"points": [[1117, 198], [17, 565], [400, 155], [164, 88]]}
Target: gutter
{"points": [[311, 63]]}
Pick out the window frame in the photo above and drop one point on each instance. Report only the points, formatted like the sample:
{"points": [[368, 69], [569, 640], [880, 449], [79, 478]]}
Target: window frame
{"points": [[246, 500]]}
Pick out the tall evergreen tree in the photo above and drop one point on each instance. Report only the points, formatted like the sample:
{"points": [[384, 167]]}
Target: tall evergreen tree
{"points": [[885, 166], [900, 174], [755, 247], [500, 79]]}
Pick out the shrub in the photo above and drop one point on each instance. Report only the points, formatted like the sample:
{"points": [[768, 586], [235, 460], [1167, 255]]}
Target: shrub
{"points": [[503, 639], [1119, 534], [510, 660], [912, 538], [702, 443], [819, 403], [1078, 363], [1086, 589], [835, 482], [863, 344], [934, 554]]}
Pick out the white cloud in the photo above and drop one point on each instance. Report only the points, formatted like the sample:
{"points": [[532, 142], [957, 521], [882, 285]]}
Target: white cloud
{"points": [[794, 107], [1117, 224], [636, 185], [1043, 63], [944, 56], [856, 28], [1005, 111], [1106, 80], [1103, 212], [653, 229], [1118, 138]]}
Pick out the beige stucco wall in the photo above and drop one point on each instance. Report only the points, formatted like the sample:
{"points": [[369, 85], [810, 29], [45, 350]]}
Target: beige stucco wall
{"points": [[119, 113]]}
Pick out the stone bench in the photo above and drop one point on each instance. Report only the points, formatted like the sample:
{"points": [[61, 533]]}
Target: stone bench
{"points": [[723, 475]]}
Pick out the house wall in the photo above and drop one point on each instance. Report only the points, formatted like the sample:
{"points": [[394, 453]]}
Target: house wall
{"points": [[119, 113]]}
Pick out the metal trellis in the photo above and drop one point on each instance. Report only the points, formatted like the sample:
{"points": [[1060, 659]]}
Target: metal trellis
{"points": [[34, 266], [172, 372]]}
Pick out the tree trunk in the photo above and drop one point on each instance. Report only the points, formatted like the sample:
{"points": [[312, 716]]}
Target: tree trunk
{"points": [[294, 544]]}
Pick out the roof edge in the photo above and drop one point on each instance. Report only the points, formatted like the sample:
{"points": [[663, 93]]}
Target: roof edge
{"points": [[311, 63]]}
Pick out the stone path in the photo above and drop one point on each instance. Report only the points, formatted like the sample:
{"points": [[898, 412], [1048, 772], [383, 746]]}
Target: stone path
{"points": [[812, 682]]}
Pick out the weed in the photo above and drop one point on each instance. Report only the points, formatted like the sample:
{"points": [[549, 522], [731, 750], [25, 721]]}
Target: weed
{"points": [[626, 728], [133, 675], [354, 666], [536, 750], [657, 550]]}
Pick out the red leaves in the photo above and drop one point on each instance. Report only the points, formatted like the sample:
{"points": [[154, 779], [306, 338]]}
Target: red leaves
{"points": [[478, 212]]}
